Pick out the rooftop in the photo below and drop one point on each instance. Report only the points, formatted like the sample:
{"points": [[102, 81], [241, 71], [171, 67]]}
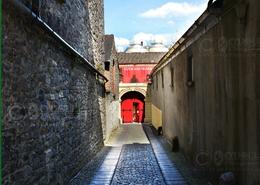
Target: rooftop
{"points": [[140, 58], [152, 47]]}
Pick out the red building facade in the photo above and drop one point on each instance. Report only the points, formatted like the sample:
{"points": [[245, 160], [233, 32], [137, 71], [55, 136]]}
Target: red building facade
{"points": [[134, 71]]}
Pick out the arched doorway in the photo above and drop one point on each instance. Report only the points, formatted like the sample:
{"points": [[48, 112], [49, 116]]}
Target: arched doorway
{"points": [[132, 107]]}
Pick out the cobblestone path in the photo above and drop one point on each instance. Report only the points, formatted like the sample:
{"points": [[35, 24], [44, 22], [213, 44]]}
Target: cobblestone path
{"points": [[137, 165], [131, 159], [170, 172]]}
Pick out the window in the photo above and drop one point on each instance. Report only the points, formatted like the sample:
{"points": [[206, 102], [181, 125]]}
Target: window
{"points": [[162, 78], [156, 81], [107, 65], [190, 80], [172, 77]]}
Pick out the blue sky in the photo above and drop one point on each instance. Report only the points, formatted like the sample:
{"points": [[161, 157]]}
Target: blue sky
{"points": [[149, 20]]}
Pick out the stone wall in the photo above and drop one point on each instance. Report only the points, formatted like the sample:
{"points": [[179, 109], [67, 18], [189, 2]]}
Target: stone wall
{"points": [[216, 117], [52, 120], [112, 88]]}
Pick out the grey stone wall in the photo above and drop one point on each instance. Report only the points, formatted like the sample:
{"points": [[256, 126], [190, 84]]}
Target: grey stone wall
{"points": [[96, 19], [52, 120], [217, 119]]}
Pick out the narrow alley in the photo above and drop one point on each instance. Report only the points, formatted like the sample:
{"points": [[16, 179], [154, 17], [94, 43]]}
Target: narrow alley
{"points": [[134, 156], [130, 92]]}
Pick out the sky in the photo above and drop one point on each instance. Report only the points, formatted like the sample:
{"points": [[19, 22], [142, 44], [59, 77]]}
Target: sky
{"points": [[150, 20]]}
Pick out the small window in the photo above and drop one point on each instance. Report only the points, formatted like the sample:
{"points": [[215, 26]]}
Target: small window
{"points": [[107, 65], [190, 74], [190, 69], [172, 77], [156, 81], [162, 79]]}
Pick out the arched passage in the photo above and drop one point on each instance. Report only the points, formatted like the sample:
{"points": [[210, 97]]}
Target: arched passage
{"points": [[132, 107]]}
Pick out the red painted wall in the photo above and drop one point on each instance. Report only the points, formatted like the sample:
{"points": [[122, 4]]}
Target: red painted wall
{"points": [[132, 108], [135, 73]]}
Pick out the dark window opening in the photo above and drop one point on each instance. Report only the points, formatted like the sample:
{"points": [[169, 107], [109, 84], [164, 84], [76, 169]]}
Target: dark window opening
{"points": [[153, 83], [156, 81], [190, 69], [162, 79], [172, 77], [107, 65]]}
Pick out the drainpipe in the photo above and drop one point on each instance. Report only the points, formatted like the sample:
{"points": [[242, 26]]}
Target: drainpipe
{"points": [[51, 32]]}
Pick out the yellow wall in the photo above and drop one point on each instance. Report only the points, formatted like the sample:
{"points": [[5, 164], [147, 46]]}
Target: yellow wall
{"points": [[156, 117], [148, 111]]}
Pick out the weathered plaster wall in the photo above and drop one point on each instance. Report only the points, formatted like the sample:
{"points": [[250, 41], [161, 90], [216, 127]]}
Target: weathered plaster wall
{"points": [[217, 119], [112, 115], [112, 89], [52, 121]]}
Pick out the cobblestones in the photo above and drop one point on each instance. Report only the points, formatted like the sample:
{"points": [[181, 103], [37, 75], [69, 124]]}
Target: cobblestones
{"points": [[137, 165], [170, 172], [192, 175], [132, 161]]}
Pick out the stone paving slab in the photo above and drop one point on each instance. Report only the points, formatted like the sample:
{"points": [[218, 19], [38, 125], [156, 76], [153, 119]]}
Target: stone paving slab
{"points": [[192, 175], [105, 172], [171, 174], [88, 171], [137, 165], [128, 134], [131, 161]]}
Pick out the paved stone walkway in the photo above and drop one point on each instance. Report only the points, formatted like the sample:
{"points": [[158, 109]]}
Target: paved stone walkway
{"points": [[85, 176], [128, 134], [170, 172], [131, 160], [105, 172], [138, 165]]}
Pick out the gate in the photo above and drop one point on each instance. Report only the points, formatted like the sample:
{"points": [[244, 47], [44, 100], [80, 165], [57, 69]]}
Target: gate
{"points": [[132, 109]]}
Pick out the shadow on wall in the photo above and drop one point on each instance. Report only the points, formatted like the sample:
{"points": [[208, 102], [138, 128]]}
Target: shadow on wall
{"points": [[52, 121], [208, 108]]}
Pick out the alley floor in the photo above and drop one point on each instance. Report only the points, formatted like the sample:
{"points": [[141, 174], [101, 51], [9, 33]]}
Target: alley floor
{"points": [[133, 155]]}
